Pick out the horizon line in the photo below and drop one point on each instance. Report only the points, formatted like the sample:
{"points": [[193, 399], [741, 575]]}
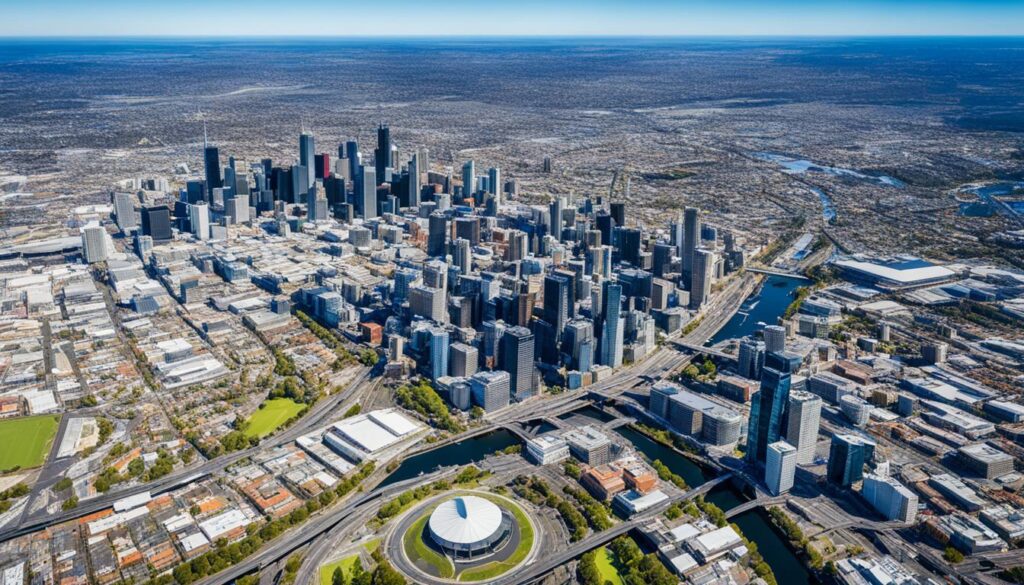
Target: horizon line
{"points": [[417, 36]]}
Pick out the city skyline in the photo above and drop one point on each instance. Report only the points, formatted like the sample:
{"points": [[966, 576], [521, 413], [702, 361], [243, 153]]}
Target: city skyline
{"points": [[531, 18]]}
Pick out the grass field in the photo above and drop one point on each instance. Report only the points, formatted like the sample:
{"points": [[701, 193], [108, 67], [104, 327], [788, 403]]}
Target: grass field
{"points": [[491, 570], [416, 549], [327, 571], [272, 415], [606, 567], [26, 441]]}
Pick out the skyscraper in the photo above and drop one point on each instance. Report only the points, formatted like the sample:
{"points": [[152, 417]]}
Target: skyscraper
{"points": [[557, 296], [383, 154], [437, 234], [464, 360], [307, 151], [211, 160], [803, 420], [468, 179], [94, 243], [438, 352], [774, 338], [662, 259], [124, 211], [494, 184], [414, 180], [490, 389], [780, 467], [199, 218], [846, 459], [610, 353], [462, 255], [556, 207], [691, 238], [618, 211], [767, 409], [751, 359], [156, 223], [517, 357], [890, 498], [354, 158], [367, 199], [700, 277]]}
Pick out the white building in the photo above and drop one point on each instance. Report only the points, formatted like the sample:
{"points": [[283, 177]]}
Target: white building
{"points": [[892, 499], [803, 424], [547, 449], [780, 467]]}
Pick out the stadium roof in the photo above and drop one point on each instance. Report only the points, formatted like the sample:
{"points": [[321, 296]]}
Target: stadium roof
{"points": [[465, 520]]}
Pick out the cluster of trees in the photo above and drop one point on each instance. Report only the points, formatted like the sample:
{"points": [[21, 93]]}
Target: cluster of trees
{"points": [[704, 371], [226, 554], [594, 511], [537, 491], [16, 491], [667, 474], [952, 555], [284, 365], [796, 536], [637, 568], [106, 428], [1013, 575], [343, 356], [799, 296], [469, 475], [423, 399], [572, 469], [664, 437], [713, 512]]}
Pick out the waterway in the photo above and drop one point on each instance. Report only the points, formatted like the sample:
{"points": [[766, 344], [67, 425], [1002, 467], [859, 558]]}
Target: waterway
{"points": [[799, 166], [755, 524], [764, 306], [461, 453]]}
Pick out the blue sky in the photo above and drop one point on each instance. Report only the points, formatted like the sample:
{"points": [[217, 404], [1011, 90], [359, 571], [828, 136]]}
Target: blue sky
{"points": [[510, 17]]}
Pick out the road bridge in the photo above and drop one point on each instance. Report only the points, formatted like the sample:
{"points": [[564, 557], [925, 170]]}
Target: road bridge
{"points": [[703, 349], [776, 272]]}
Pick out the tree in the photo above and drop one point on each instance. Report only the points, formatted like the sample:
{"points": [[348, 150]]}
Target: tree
{"points": [[952, 555], [385, 574], [338, 577]]}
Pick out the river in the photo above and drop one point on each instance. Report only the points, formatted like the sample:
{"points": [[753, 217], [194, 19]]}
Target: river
{"points": [[763, 307], [461, 453], [755, 524]]}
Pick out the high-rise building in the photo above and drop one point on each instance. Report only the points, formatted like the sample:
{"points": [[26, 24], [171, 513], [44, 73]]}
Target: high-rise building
{"points": [[490, 389], [464, 360], [124, 211], [774, 338], [438, 352], [557, 297], [156, 223], [468, 228], [889, 497], [211, 160], [404, 280], [383, 154], [366, 197], [780, 467], [846, 459], [803, 420], [237, 209], [751, 359], [556, 207], [354, 158], [662, 259], [415, 185], [318, 207], [428, 302], [494, 184], [462, 255], [691, 238], [94, 244], [437, 234], [517, 357], [767, 409], [610, 353], [468, 179], [199, 218], [701, 273], [307, 152], [618, 212]]}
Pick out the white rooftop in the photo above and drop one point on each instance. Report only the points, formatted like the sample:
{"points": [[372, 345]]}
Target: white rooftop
{"points": [[465, 520]]}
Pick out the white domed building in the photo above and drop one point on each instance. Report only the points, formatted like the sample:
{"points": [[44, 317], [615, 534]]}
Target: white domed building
{"points": [[469, 527]]}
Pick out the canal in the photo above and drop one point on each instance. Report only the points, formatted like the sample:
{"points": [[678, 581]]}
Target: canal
{"points": [[763, 307], [755, 524], [461, 453]]}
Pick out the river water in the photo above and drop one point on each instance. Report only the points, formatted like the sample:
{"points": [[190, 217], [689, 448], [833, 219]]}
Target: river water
{"points": [[763, 307]]}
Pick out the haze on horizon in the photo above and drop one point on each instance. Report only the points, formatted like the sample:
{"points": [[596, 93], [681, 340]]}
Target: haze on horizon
{"points": [[236, 18]]}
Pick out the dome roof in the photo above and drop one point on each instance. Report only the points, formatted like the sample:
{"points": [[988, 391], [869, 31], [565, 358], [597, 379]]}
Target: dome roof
{"points": [[465, 520]]}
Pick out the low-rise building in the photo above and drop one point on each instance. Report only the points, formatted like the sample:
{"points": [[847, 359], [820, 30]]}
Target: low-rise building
{"points": [[547, 449]]}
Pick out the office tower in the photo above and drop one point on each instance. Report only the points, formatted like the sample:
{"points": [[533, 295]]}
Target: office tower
{"points": [[464, 359], [199, 218], [803, 420], [780, 467], [774, 338], [354, 158], [428, 302], [124, 211], [211, 160], [556, 207], [299, 175], [195, 190], [405, 279], [557, 297], [468, 179], [691, 238], [889, 497], [238, 209], [383, 153], [618, 213], [490, 389], [143, 246], [517, 356], [855, 409], [846, 459], [767, 409], [661, 261], [751, 359], [437, 232], [94, 244], [493, 332], [318, 207], [367, 197], [579, 344], [438, 352], [784, 361], [462, 254], [610, 353], [469, 229], [156, 223], [678, 235], [700, 277], [629, 245], [322, 166], [415, 185], [494, 184], [605, 224], [435, 274]]}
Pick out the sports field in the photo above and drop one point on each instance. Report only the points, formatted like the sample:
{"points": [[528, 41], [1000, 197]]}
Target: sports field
{"points": [[274, 413], [26, 441], [605, 560]]}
